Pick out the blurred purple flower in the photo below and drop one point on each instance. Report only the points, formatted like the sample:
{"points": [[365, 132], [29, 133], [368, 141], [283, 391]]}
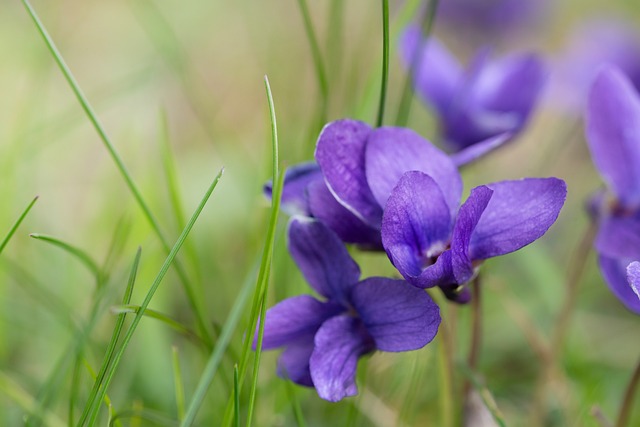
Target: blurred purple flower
{"points": [[426, 238], [479, 108], [593, 44], [490, 18], [613, 136], [323, 340]]}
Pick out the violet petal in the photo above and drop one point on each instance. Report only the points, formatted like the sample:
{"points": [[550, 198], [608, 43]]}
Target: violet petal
{"points": [[397, 315], [293, 363], [322, 258], [518, 213], [339, 343], [633, 276], [479, 149], [615, 274], [613, 133], [296, 180], [470, 213], [393, 151], [619, 237], [437, 73], [293, 318], [340, 153], [416, 223], [347, 226]]}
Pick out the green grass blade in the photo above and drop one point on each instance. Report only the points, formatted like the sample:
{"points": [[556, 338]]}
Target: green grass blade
{"points": [[154, 287], [24, 400], [195, 303], [76, 252], [385, 62], [267, 252], [236, 397], [16, 225], [126, 298], [407, 90], [221, 346], [177, 379], [153, 417], [484, 393], [265, 268]]}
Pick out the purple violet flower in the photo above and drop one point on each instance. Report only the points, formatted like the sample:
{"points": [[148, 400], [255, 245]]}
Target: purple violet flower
{"points": [[590, 46], [323, 340], [481, 108], [430, 239], [491, 18], [613, 135]]}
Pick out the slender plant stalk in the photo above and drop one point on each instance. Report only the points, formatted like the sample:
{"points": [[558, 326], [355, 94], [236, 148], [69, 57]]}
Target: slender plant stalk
{"points": [[236, 397], [446, 376], [575, 271], [318, 62], [295, 404], [426, 23], [627, 401], [17, 224], [154, 287], [385, 62], [194, 301], [14, 391], [476, 330], [485, 395]]}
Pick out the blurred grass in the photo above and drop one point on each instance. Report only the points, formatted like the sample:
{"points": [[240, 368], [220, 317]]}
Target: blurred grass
{"points": [[202, 64]]}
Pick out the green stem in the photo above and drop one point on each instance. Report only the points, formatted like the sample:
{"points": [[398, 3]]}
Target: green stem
{"points": [[476, 329], [385, 62], [627, 403], [427, 20]]}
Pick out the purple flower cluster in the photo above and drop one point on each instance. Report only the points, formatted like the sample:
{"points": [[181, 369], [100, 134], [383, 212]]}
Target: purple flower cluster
{"points": [[613, 135], [391, 190], [479, 108]]}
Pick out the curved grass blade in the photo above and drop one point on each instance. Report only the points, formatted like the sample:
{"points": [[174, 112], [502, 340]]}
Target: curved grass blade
{"points": [[152, 290], [153, 314], [194, 302], [15, 226], [236, 397], [76, 252], [263, 277]]}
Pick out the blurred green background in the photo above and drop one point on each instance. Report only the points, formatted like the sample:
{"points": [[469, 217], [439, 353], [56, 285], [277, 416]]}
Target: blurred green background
{"points": [[201, 65]]}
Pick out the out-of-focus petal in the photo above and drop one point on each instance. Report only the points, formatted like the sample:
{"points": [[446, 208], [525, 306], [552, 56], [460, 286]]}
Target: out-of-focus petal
{"points": [[397, 315], [346, 225], [293, 319], [619, 237], [512, 84], [322, 258], [613, 133], [341, 155], [477, 150], [614, 271], [416, 223], [393, 151], [470, 213], [296, 180], [518, 213], [339, 343], [633, 276], [437, 73], [293, 363]]}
